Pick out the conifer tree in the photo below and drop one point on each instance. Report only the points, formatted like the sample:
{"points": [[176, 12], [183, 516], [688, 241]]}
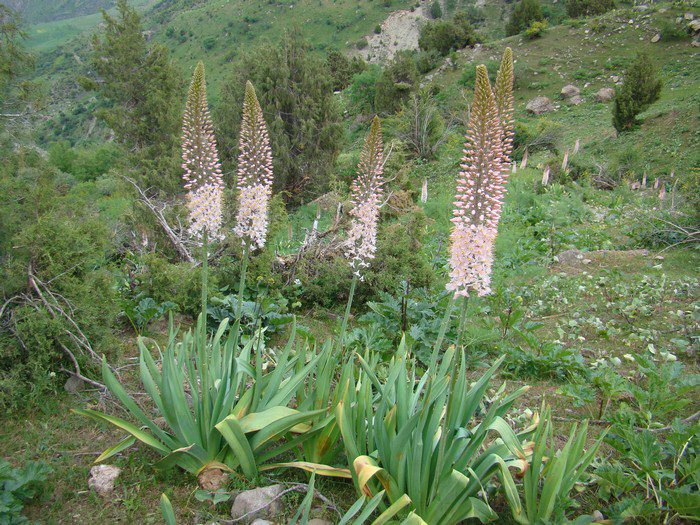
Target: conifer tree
{"points": [[295, 90], [640, 88], [139, 83]]}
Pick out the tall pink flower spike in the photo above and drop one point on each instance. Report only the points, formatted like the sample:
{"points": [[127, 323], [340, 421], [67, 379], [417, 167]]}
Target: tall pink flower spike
{"points": [[200, 160], [366, 195], [481, 183], [254, 173]]}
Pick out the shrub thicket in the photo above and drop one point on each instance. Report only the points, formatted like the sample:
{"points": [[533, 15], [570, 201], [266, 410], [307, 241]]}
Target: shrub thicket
{"points": [[578, 8], [443, 35], [524, 14]]}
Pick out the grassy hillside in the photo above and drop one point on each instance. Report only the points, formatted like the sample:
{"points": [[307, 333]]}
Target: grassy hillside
{"points": [[592, 54], [37, 11]]}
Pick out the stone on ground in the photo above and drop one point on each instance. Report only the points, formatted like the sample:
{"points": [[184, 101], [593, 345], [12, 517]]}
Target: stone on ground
{"points": [[102, 478], [257, 504], [539, 105]]}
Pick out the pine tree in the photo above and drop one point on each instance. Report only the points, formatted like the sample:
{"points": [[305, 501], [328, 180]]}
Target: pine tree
{"points": [[139, 83], [640, 89]]}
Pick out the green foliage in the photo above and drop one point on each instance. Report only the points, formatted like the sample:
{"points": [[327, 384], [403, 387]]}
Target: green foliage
{"points": [[295, 91], [435, 10], [343, 69], [552, 474], [17, 487], [144, 311], [536, 30], [443, 36], [579, 8], [652, 480], [52, 231], [524, 14], [230, 424], [84, 164], [144, 108], [425, 440], [640, 88], [671, 31], [172, 282], [395, 83], [426, 61], [363, 90]]}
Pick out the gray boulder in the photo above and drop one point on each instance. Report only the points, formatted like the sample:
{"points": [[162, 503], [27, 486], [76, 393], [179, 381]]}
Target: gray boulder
{"points": [[539, 105], [102, 478], [259, 503], [605, 94], [570, 91]]}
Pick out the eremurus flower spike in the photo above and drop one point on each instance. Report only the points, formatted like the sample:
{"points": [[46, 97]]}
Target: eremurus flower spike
{"points": [[200, 161], [366, 195], [480, 192], [254, 173]]}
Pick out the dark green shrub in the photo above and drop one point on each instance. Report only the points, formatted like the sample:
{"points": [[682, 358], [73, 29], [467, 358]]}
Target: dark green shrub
{"points": [[641, 88], [342, 68], [670, 31], [444, 36], [396, 81], [426, 61], [436, 10], [578, 8], [525, 13], [363, 90]]}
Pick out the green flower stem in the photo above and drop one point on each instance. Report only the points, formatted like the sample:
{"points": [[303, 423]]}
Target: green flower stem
{"points": [[462, 320], [203, 357], [347, 310], [241, 284], [443, 330]]}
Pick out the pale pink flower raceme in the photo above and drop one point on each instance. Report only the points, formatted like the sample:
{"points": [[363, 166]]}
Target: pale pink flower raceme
{"points": [[254, 173], [481, 186], [200, 160], [366, 198]]}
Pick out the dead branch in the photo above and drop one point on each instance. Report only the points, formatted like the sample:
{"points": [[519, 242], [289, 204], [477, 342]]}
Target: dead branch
{"points": [[158, 211]]}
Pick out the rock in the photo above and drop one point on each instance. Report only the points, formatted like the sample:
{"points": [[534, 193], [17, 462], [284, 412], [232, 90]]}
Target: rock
{"points": [[102, 478], [320, 521], [257, 503], [569, 257], [576, 100], [261, 522], [695, 43], [694, 26], [615, 78], [656, 38], [539, 105], [598, 516], [73, 385], [569, 91], [605, 94], [689, 16]]}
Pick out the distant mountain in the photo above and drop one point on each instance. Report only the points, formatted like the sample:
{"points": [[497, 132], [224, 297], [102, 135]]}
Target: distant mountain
{"points": [[36, 11]]}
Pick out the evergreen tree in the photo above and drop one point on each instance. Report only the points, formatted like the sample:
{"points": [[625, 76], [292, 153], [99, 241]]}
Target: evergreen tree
{"points": [[295, 90], [436, 10], [525, 13], [139, 82], [640, 89], [15, 97]]}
